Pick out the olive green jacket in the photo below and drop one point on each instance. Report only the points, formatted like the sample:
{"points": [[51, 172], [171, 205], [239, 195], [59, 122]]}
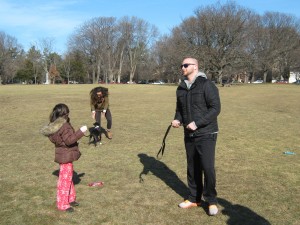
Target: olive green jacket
{"points": [[102, 104]]}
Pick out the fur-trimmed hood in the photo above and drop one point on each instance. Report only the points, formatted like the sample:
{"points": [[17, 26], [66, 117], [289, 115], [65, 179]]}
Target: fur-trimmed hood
{"points": [[53, 127]]}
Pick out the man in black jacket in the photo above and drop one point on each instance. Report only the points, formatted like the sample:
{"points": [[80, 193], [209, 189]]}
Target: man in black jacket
{"points": [[198, 105]]}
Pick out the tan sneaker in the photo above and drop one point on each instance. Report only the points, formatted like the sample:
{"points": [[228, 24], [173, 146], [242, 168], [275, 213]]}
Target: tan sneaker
{"points": [[187, 204], [108, 134], [212, 210]]}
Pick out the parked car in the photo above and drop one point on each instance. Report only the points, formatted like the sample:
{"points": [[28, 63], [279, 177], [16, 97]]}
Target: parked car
{"points": [[225, 82], [143, 82], [258, 82], [158, 82], [296, 82], [73, 82], [282, 82]]}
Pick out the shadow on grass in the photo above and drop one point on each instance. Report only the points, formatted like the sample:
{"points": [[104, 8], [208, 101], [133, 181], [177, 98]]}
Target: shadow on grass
{"points": [[76, 177], [238, 214], [163, 172]]}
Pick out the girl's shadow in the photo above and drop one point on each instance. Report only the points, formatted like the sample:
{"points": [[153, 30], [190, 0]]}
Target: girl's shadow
{"points": [[76, 177]]}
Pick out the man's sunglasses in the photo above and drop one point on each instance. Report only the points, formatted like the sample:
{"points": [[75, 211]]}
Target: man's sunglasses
{"points": [[186, 65]]}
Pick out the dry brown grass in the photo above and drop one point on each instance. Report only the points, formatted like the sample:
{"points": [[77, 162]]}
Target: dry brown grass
{"points": [[257, 183]]}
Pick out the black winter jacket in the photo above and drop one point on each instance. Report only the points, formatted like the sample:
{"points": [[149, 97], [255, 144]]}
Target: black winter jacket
{"points": [[201, 104]]}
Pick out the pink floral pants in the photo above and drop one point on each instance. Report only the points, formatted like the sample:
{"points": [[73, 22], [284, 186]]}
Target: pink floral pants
{"points": [[65, 188]]}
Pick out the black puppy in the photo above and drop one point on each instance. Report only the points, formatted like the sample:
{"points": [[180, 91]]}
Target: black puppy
{"points": [[95, 134]]}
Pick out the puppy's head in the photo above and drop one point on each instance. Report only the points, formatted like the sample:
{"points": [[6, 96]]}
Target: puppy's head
{"points": [[96, 125]]}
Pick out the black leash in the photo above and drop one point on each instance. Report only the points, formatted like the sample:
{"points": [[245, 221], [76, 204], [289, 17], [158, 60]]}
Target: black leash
{"points": [[163, 145]]}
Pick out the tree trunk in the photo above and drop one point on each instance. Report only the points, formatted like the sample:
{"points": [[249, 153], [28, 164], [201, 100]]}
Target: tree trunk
{"points": [[120, 66], [47, 78], [265, 75], [132, 72], [93, 76], [98, 71]]}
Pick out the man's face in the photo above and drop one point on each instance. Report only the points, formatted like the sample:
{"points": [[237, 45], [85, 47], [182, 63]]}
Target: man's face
{"points": [[188, 67]]}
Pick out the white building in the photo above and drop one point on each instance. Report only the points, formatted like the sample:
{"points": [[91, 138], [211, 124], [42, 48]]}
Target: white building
{"points": [[294, 76]]}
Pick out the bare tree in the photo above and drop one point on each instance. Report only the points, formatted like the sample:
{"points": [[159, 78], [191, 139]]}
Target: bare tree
{"points": [[107, 43], [279, 34], [11, 56], [168, 53], [34, 56], [233, 41], [53, 73], [123, 32], [217, 34], [95, 39], [109, 38], [45, 47], [67, 66], [84, 40], [140, 36]]}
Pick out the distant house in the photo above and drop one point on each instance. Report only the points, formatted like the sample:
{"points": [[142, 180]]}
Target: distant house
{"points": [[294, 76]]}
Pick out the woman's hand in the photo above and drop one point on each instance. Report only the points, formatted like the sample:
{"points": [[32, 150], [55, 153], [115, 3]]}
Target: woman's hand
{"points": [[93, 114]]}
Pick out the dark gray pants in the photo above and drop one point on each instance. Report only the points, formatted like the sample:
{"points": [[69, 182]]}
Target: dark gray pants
{"points": [[200, 153], [107, 116]]}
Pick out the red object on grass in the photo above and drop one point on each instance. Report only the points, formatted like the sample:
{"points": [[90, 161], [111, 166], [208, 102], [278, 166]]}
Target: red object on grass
{"points": [[96, 184]]}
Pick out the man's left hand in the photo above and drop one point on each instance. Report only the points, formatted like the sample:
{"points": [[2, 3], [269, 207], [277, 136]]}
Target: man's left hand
{"points": [[192, 126]]}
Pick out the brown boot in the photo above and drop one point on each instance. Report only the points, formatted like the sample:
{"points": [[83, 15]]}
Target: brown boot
{"points": [[108, 134]]}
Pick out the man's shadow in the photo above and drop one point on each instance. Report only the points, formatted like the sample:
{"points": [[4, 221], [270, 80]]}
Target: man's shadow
{"points": [[238, 214], [241, 215], [163, 172], [76, 177]]}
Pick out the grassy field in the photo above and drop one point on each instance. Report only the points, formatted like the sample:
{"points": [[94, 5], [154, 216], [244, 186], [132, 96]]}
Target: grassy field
{"points": [[256, 182]]}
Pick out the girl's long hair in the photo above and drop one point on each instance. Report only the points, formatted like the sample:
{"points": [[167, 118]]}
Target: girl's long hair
{"points": [[93, 94], [60, 110]]}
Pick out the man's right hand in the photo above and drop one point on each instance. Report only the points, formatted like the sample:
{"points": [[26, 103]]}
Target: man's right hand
{"points": [[175, 123]]}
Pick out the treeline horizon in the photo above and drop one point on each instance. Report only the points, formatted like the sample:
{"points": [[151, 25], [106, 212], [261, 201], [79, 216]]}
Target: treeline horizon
{"points": [[230, 41]]}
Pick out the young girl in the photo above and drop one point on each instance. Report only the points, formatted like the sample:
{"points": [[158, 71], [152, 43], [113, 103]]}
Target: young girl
{"points": [[100, 107], [61, 133]]}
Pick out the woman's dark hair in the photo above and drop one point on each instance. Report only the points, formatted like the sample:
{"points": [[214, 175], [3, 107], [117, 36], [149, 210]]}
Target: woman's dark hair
{"points": [[94, 96], [60, 110]]}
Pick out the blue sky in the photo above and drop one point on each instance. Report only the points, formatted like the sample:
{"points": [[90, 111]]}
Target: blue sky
{"points": [[30, 21]]}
